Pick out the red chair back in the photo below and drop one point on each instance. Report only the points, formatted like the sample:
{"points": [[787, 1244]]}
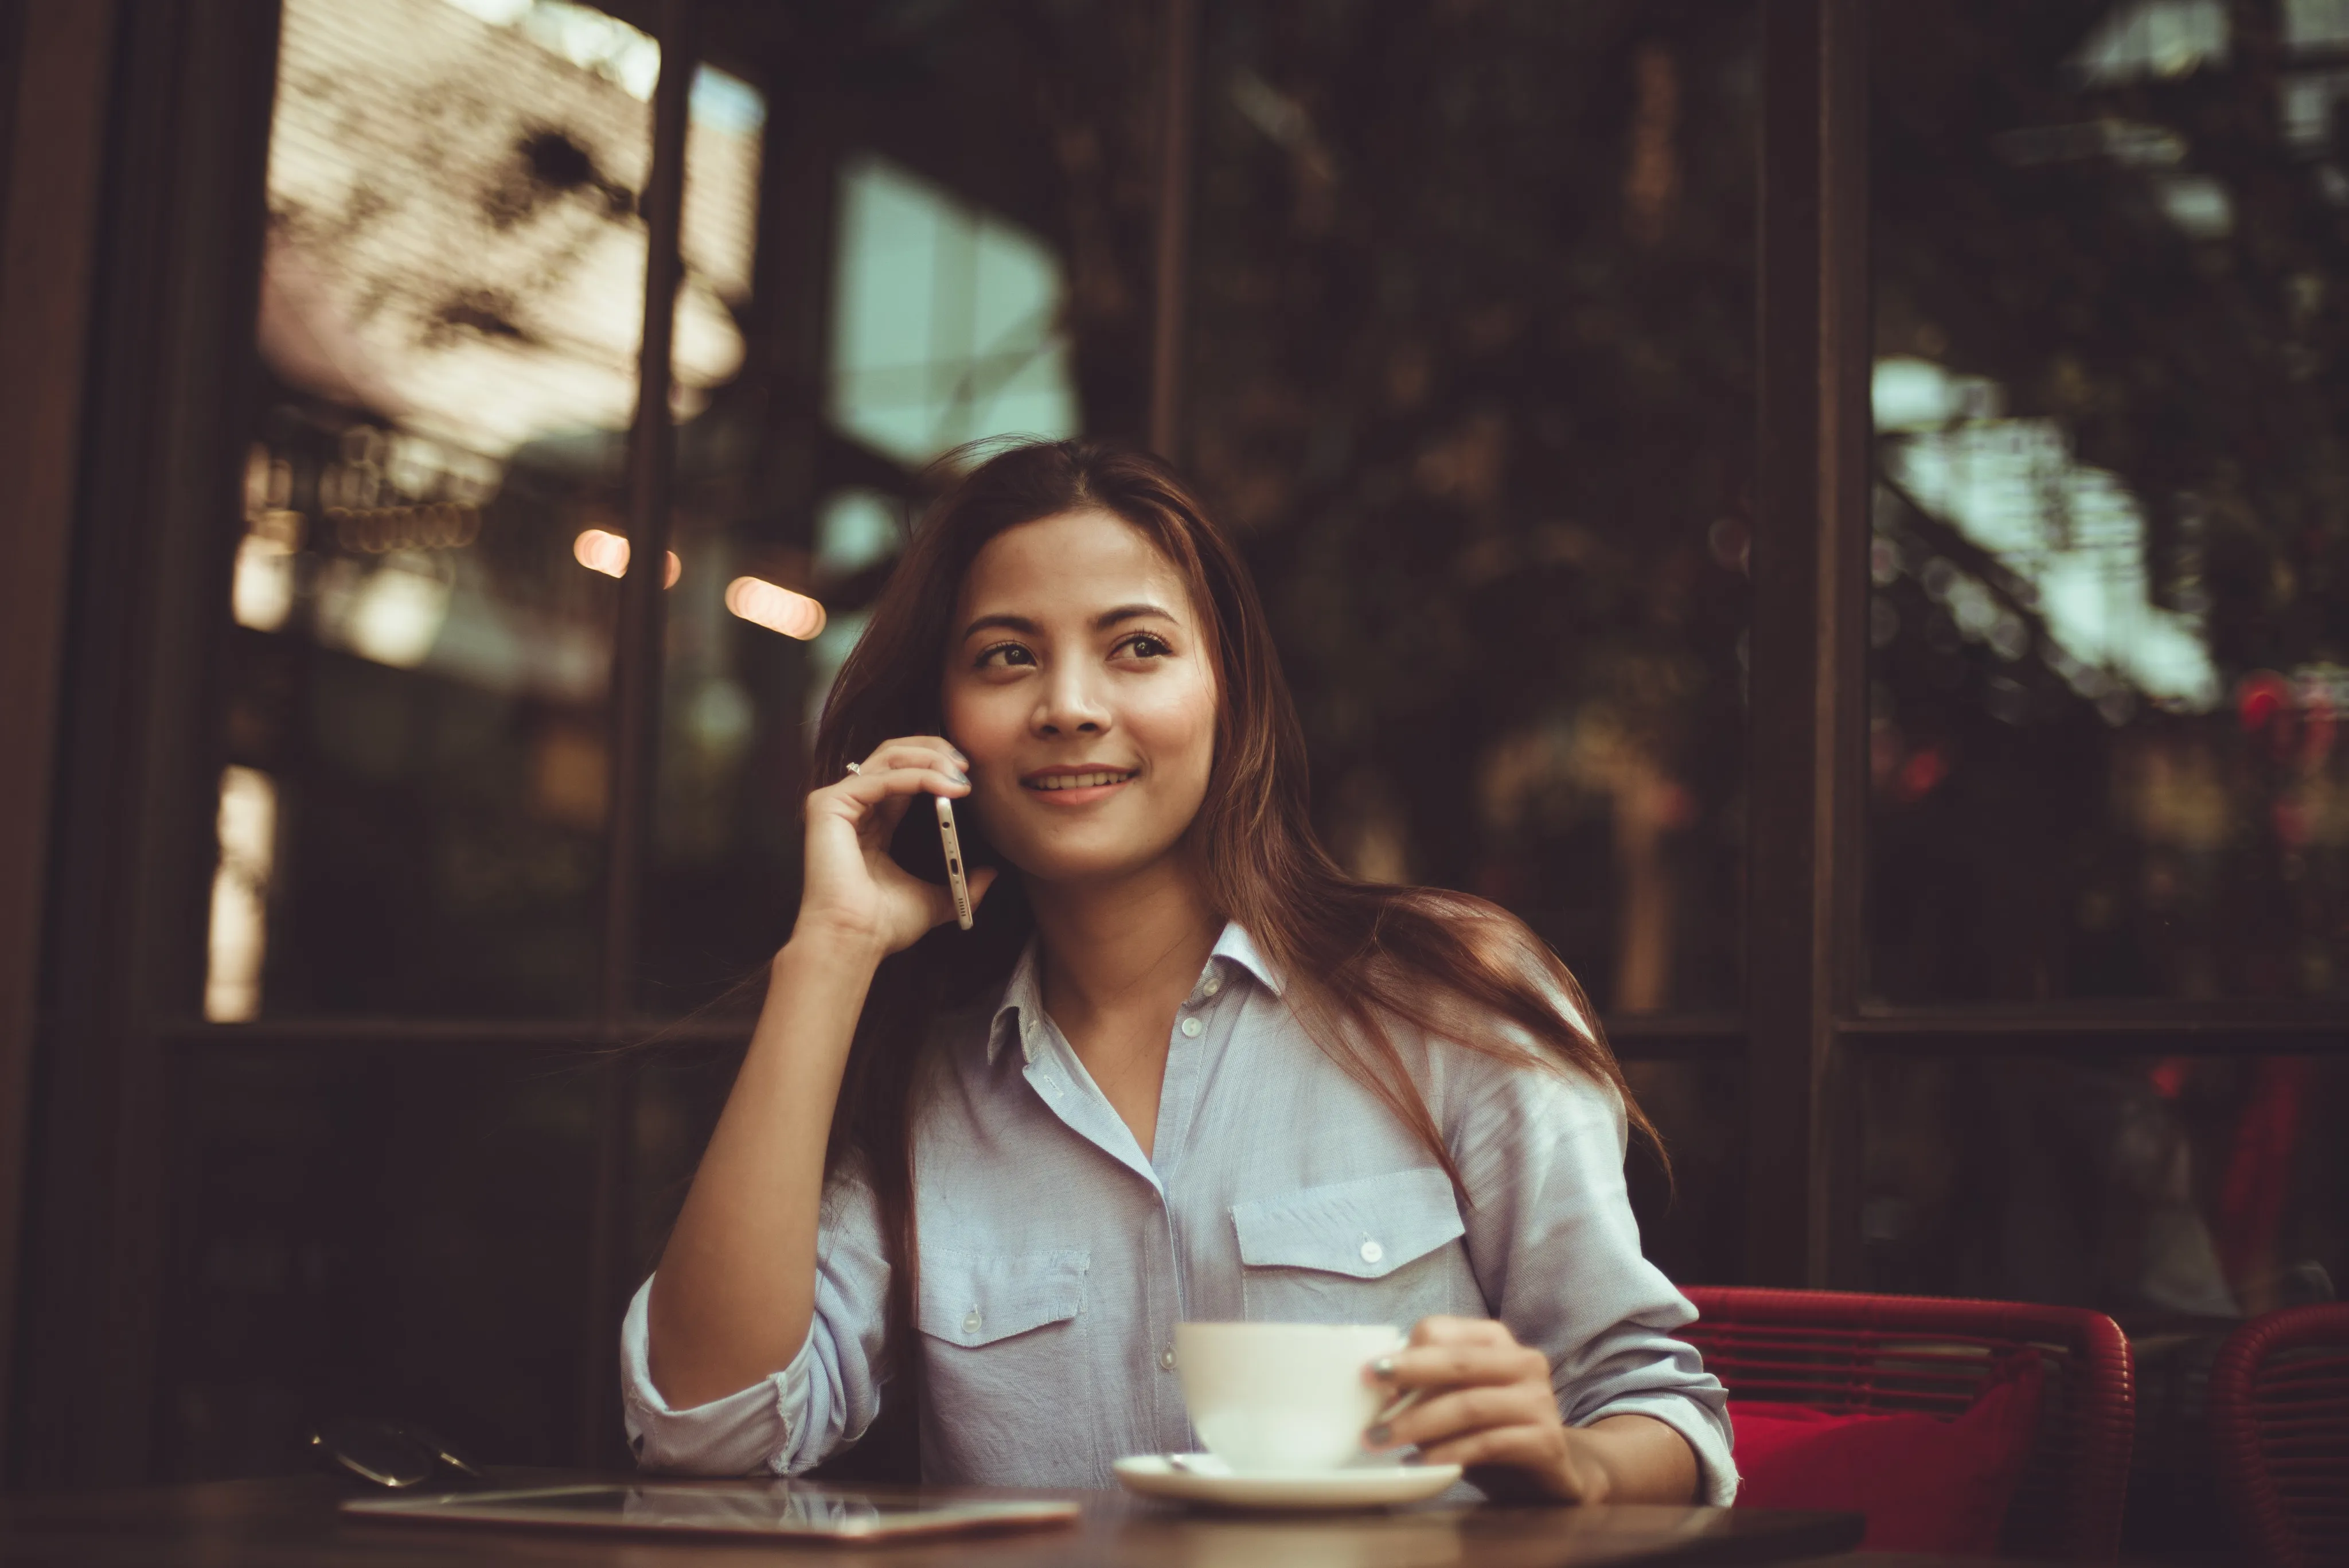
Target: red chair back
{"points": [[1853, 1354], [2279, 1433]]}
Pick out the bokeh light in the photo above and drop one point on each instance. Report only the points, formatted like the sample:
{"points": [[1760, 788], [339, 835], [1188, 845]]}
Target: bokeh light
{"points": [[607, 553], [774, 606]]}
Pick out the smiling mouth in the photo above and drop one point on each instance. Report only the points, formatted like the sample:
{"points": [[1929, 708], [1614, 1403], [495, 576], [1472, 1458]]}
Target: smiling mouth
{"points": [[1049, 782]]}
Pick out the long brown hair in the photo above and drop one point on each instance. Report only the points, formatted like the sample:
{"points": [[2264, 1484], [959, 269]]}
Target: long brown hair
{"points": [[1356, 957]]}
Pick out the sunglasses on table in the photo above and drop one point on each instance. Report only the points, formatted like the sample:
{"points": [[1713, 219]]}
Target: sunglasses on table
{"points": [[394, 1454]]}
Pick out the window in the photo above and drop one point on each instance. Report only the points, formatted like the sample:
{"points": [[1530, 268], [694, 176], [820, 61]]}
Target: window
{"points": [[450, 302], [2105, 618], [1420, 344], [2104, 669]]}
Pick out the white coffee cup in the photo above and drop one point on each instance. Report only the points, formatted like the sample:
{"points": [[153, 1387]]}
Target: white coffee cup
{"points": [[1281, 1396]]}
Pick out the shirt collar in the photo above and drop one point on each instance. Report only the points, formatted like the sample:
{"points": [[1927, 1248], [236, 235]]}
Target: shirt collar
{"points": [[1236, 946], [1023, 995]]}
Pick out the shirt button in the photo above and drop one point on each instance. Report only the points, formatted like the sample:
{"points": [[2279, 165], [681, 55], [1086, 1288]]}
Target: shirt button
{"points": [[1215, 984], [1191, 1027], [970, 1323], [1372, 1252], [1166, 1361]]}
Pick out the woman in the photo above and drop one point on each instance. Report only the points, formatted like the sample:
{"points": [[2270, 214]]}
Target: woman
{"points": [[1182, 1069]]}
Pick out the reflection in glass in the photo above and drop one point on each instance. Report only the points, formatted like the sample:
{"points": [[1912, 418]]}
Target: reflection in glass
{"points": [[240, 913], [2110, 619], [450, 302], [947, 323], [782, 1504], [1692, 1224], [1472, 381], [2154, 1190], [454, 240], [717, 239]]}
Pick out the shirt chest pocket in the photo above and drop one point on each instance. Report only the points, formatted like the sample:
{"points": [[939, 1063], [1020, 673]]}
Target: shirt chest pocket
{"points": [[1005, 1348], [970, 1299], [1382, 1249]]}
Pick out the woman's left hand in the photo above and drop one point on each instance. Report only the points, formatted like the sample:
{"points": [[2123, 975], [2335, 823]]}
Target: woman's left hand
{"points": [[1488, 1405]]}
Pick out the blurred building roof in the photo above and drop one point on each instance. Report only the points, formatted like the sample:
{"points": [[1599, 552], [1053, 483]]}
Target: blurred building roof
{"points": [[455, 242]]}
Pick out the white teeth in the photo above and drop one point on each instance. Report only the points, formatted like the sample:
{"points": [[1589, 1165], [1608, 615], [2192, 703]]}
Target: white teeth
{"points": [[1080, 781]]}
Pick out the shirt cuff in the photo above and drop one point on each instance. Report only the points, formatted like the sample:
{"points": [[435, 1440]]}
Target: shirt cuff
{"points": [[738, 1434], [1706, 1434]]}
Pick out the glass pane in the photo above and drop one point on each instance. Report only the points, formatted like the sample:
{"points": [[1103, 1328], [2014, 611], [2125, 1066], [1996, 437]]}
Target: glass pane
{"points": [[2154, 1190], [2109, 606], [1472, 380], [412, 820], [329, 1257], [941, 254], [1692, 1219], [946, 326]]}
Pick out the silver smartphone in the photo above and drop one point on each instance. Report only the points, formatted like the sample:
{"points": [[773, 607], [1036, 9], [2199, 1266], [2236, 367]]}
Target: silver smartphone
{"points": [[955, 879]]}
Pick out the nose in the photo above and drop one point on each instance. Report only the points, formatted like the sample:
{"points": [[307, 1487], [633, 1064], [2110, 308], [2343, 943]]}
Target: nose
{"points": [[1069, 704]]}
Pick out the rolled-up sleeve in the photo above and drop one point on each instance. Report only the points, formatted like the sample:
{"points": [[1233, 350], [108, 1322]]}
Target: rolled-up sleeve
{"points": [[793, 1420], [1557, 1253]]}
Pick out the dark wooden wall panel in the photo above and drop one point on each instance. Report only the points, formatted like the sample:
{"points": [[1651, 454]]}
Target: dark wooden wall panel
{"points": [[56, 66], [174, 285]]}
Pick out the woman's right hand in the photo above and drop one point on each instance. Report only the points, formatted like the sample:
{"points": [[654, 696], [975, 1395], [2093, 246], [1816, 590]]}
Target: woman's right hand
{"points": [[853, 889]]}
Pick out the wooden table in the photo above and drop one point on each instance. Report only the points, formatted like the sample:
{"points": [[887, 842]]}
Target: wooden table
{"points": [[293, 1521]]}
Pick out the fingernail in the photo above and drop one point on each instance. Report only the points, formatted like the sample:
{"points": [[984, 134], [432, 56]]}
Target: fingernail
{"points": [[1383, 1368], [1377, 1434], [959, 778]]}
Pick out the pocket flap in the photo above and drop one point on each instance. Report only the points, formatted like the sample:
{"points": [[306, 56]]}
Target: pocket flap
{"points": [[1365, 1228], [977, 1299]]}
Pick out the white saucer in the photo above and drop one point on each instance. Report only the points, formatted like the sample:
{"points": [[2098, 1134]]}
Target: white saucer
{"points": [[1380, 1486]]}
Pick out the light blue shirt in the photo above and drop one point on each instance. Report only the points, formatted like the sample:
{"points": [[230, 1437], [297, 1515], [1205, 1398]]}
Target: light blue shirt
{"points": [[1057, 1258]]}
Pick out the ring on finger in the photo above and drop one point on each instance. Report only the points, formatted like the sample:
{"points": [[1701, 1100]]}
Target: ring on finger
{"points": [[856, 767]]}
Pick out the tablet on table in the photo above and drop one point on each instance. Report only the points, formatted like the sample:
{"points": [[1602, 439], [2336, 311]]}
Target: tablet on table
{"points": [[767, 1510]]}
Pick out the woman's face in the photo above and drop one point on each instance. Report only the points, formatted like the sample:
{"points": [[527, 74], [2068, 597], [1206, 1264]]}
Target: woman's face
{"points": [[1081, 685]]}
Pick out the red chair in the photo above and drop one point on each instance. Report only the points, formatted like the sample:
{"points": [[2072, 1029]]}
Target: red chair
{"points": [[2279, 1432], [1867, 1354]]}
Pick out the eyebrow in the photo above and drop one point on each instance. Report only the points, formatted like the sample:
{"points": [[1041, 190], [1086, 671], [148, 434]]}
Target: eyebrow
{"points": [[1101, 622]]}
